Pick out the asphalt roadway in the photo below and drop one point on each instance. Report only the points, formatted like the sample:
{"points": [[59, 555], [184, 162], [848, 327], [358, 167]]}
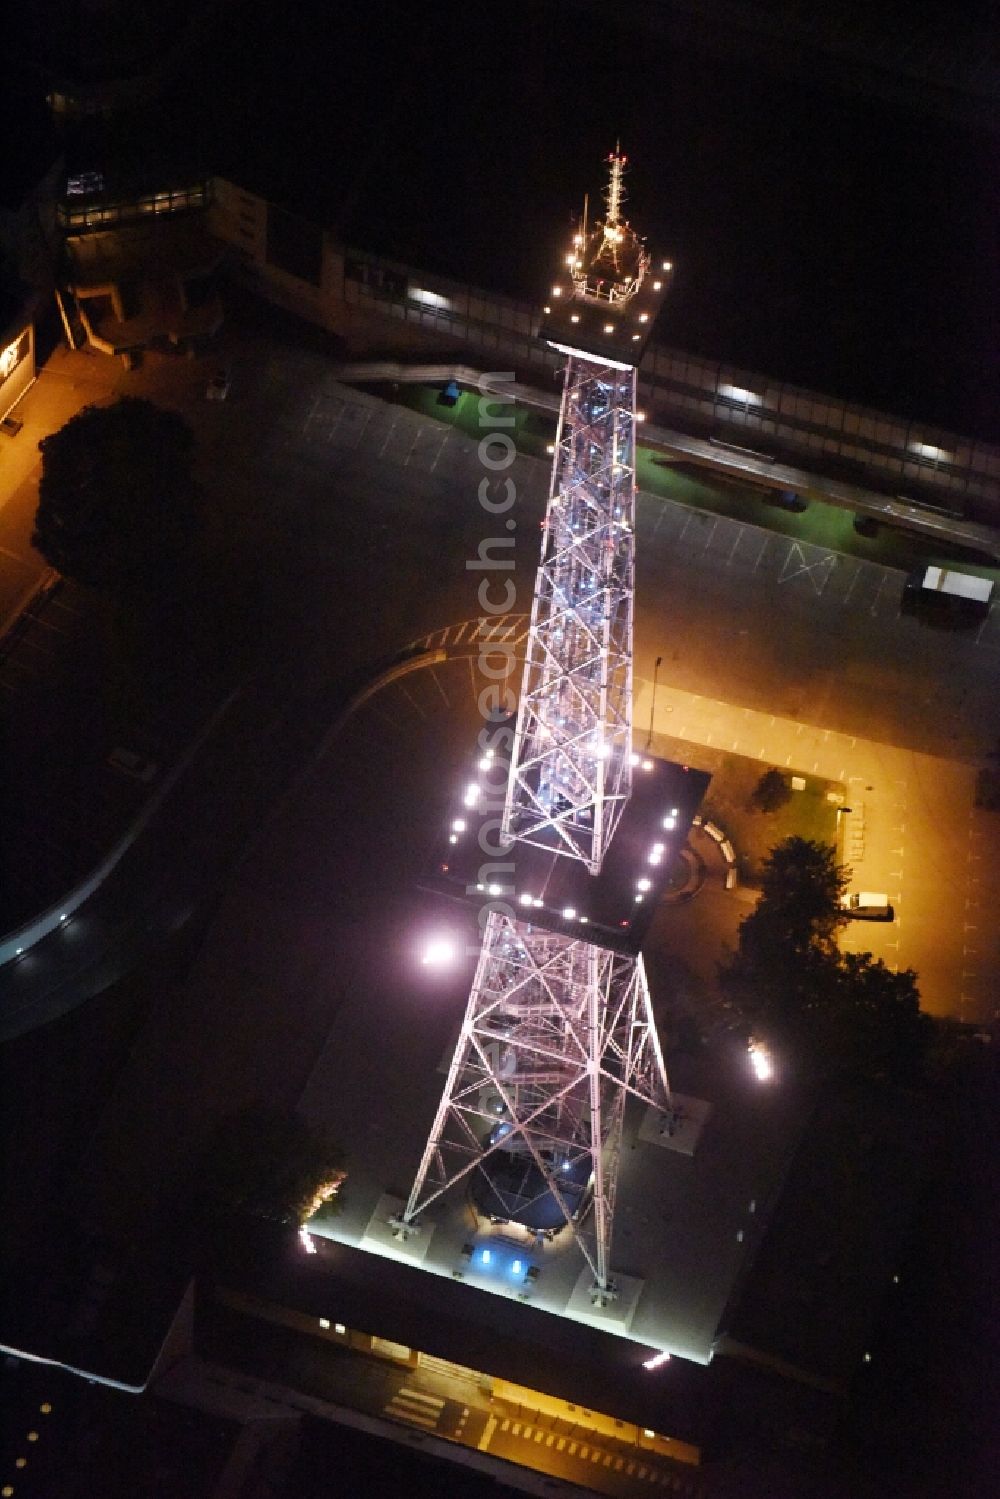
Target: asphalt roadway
{"points": [[434, 1400]]}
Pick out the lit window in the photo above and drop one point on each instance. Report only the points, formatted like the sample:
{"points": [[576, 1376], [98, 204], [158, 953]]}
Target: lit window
{"points": [[428, 298], [929, 451], [738, 393]]}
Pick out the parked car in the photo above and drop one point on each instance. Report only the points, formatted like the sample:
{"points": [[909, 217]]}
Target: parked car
{"points": [[786, 499], [218, 386], [868, 905]]}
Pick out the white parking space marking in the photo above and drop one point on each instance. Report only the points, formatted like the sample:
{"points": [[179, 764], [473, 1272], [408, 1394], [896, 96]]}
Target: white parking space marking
{"points": [[878, 594], [798, 564]]}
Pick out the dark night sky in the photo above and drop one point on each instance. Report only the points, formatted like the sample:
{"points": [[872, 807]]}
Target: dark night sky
{"points": [[822, 236], [819, 234]]}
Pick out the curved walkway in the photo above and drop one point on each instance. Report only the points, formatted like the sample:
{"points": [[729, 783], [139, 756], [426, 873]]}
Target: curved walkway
{"points": [[149, 886]]}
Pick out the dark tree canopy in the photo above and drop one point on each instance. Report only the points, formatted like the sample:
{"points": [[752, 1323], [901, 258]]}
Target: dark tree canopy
{"points": [[792, 986], [799, 909], [771, 792], [271, 1164], [117, 500]]}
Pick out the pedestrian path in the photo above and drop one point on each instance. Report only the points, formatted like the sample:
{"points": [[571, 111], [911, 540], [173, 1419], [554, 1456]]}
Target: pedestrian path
{"points": [[415, 1408]]}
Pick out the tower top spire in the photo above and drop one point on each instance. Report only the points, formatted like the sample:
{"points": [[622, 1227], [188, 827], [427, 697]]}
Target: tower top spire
{"points": [[614, 195], [607, 297]]}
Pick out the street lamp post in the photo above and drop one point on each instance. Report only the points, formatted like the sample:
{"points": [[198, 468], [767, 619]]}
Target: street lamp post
{"points": [[652, 706]]}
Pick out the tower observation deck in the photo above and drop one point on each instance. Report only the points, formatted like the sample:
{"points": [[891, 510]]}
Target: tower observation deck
{"points": [[558, 1031]]}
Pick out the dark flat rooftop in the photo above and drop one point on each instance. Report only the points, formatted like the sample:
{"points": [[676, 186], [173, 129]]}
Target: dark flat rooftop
{"points": [[612, 909]]}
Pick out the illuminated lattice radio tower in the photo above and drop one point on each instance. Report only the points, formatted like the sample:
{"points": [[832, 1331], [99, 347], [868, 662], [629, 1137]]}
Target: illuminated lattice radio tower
{"points": [[558, 1031]]}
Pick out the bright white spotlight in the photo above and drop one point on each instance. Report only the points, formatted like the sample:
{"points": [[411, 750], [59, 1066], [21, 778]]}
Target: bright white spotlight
{"points": [[471, 797], [438, 953], [569, 913], [458, 826], [643, 884], [760, 1061], [656, 1361], [306, 1240]]}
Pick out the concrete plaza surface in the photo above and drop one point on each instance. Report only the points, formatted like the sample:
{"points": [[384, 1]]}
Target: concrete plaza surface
{"points": [[925, 844]]}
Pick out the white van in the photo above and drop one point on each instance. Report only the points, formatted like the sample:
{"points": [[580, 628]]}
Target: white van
{"points": [[868, 905], [940, 593]]}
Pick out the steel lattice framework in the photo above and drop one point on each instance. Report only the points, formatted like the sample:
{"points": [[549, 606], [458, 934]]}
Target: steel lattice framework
{"points": [[558, 1032], [557, 1035], [570, 773]]}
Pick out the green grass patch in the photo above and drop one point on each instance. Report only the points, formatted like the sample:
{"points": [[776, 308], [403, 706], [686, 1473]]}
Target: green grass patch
{"points": [[821, 525], [728, 803]]}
